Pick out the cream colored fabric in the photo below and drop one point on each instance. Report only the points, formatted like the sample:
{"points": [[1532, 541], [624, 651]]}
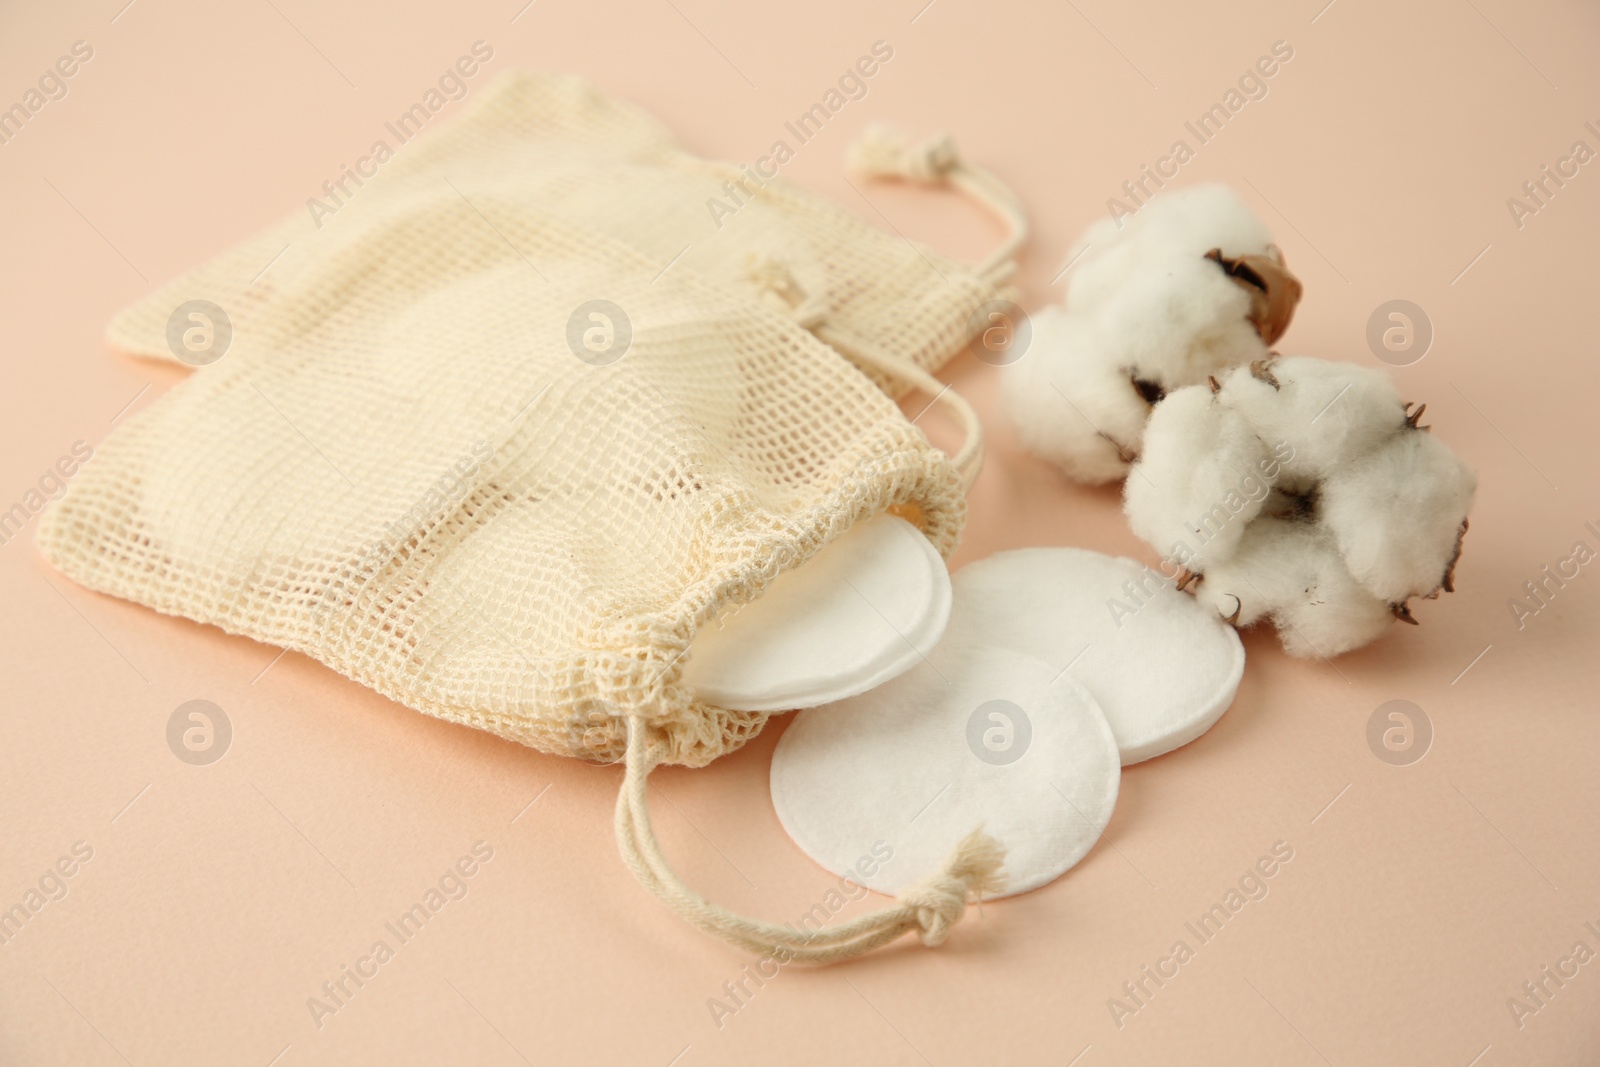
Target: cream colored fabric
{"points": [[404, 468], [556, 142], [974, 870]]}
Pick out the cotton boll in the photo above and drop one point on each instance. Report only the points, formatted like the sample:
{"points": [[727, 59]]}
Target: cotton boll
{"points": [[1334, 615], [1180, 324], [1180, 224], [1187, 287], [1325, 411], [1198, 218], [1208, 224], [1199, 481], [1069, 404], [1103, 259], [1275, 562], [1358, 509], [1397, 513], [1292, 572]]}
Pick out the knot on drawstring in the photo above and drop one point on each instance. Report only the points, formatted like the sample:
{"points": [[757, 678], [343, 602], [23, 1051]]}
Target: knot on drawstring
{"points": [[783, 290], [884, 152], [930, 908], [974, 869]]}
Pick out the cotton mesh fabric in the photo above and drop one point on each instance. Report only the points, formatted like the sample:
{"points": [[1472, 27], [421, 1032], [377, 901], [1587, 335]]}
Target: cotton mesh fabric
{"points": [[555, 142], [402, 469]]}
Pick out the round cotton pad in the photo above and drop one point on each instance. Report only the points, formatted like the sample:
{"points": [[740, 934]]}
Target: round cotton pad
{"points": [[1162, 666], [879, 788], [867, 607]]}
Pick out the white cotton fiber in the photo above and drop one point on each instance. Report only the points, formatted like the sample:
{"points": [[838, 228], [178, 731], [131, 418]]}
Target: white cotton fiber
{"points": [[1049, 398], [1322, 410], [1397, 514], [975, 736], [1351, 511], [1182, 224], [1199, 481], [1202, 217], [1291, 572], [863, 610], [1147, 312], [1175, 325], [1162, 668]]}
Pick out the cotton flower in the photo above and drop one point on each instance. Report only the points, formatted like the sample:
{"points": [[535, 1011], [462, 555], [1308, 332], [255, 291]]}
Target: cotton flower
{"points": [[1397, 512], [1070, 407], [1200, 481], [1326, 410], [1302, 491], [1188, 287], [1293, 572]]}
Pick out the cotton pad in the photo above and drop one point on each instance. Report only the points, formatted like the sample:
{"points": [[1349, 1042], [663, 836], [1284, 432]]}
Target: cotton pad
{"points": [[876, 787], [1162, 667], [866, 608]]}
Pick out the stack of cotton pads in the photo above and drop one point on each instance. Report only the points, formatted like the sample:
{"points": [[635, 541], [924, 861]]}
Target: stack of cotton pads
{"points": [[1057, 667], [864, 609]]}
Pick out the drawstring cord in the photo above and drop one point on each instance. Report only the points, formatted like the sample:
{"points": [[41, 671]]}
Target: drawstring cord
{"points": [[968, 459], [883, 152], [788, 295], [976, 866], [930, 908]]}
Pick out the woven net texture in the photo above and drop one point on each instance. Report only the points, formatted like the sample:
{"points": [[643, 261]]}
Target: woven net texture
{"points": [[406, 468], [556, 142]]}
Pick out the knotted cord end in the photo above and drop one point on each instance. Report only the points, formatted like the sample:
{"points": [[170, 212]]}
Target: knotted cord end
{"points": [[976, 868], [884, 152], [783, 290]]}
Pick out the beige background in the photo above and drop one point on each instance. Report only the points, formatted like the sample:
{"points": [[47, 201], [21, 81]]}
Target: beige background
{"points": [[219, 898]]}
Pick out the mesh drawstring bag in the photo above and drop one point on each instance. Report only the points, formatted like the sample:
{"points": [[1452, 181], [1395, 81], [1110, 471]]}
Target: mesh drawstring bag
{"points": [[896, 309], [408, 468]]}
